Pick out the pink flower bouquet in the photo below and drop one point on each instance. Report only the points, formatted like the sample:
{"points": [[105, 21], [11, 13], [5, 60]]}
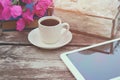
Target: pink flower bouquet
{"points": [[23, 11]]}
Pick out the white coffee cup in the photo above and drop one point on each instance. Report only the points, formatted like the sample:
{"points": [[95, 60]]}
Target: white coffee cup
{"points": [[52, 29]]}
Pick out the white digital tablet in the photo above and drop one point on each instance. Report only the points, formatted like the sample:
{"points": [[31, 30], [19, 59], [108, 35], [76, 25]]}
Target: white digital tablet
{"points": [[93, 65]]}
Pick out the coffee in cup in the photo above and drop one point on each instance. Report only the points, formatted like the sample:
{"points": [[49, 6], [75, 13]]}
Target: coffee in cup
{"points": [[51, 29], [49, 22]]}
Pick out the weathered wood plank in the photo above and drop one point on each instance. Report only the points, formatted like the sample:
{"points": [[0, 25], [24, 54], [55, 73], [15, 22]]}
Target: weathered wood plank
{"points": [[46, 71], [88, 24], [34, 53], [14, 37], [21, 38], [108, 8], [43, 65], [17, 78], [32, 63], [38, 73], [31, 52], [36, 68]]}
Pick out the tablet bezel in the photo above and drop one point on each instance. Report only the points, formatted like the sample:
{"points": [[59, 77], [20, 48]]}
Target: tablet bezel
{"points": [[71, 66]]}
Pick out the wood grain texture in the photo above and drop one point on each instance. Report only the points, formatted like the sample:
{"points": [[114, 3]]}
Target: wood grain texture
{"points": [[108, 8], [20, 38], [22, 61], [32, 63], [93, 25], [14, 37]]}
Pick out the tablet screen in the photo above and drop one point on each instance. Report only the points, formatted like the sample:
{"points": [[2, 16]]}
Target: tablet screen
{"points": [[97, 66]]}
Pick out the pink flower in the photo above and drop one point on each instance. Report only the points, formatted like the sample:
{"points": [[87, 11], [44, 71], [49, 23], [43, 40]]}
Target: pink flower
{"points": [[5, 9], [5, 3], [16, 11], [41, 7], [6, 13], [23, 12], [39, 10], [28, 16], [20, 24], [27, 1], [1, 8]]}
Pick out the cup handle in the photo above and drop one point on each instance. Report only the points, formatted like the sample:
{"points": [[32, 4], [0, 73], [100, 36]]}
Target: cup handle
{"points": [[66, 26]]}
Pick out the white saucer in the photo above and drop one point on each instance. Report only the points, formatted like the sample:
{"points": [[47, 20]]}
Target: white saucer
{"points": [[34, 38]]}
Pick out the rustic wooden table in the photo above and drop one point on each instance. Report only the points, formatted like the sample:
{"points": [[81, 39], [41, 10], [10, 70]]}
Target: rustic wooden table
{"points": [[20, 60]]}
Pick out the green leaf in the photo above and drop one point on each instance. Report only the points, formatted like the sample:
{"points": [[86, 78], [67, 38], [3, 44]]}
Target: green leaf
{"points": [[14, 2]]}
